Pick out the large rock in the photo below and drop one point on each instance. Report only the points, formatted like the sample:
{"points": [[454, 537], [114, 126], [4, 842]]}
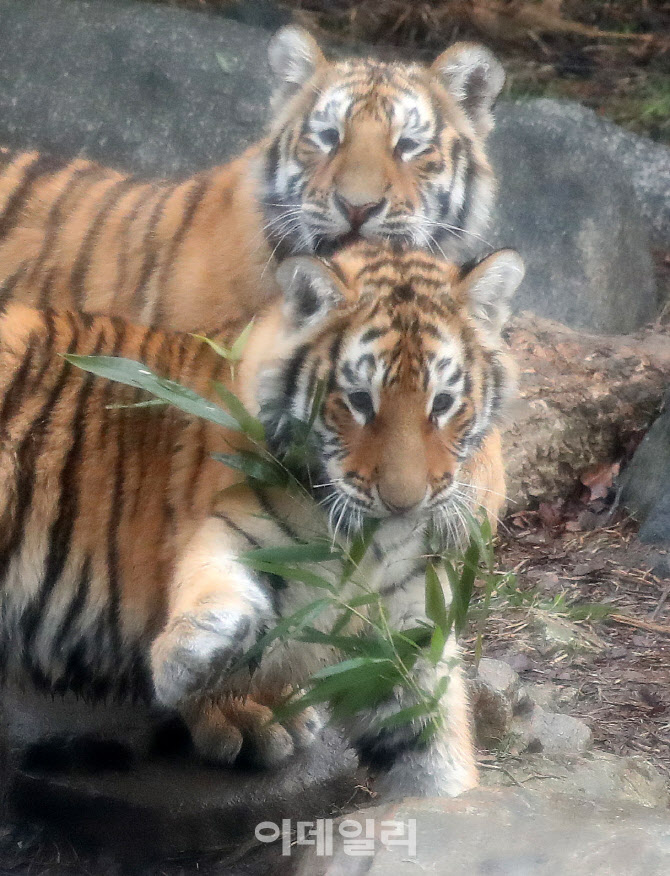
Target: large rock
{"points": [[565, 204], [156, 90], [512, 832], [645, 484], [167, 91], [638, 160], [596, 775]]}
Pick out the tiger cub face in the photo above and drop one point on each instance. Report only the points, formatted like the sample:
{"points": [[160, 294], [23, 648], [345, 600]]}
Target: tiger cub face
{"points": [[409, 351], [367, 149]]}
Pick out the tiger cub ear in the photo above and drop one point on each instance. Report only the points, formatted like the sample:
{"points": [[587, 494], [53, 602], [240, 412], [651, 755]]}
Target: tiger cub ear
{"points": [[294, 57], [488, 288], [474, 77], [311, 290]]}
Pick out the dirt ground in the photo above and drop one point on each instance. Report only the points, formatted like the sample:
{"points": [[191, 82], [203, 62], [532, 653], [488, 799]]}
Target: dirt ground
{"points": [[615, 668]]}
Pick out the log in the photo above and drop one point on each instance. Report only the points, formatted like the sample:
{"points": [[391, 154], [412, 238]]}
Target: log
{"points": [[581, 398]]}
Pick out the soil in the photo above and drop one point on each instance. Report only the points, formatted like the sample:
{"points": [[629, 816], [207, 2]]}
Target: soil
{"points": [[618, 666]]}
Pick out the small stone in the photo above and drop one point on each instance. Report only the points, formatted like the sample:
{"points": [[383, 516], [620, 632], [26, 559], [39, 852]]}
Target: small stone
{"points": [[500, 676], [551, 733], [492, 713], [519, 661], [662, 568]]}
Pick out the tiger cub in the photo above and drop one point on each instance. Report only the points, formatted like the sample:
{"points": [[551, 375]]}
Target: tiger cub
{"points": [[356, 148], [121, 534]]}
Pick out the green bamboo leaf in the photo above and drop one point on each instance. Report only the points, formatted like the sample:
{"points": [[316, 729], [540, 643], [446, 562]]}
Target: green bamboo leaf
{"points": [[364, 646], [436, 607], [149, 403], [437, 643], [359, 548], [249, 424], [308, 552], [364, 599], [294, 706], [132, 373], [238, 345], [452, 574], [440, 689], [253, 465], [463, 592], [428, 731], [406, 716], [220, 350], [341, 622], [291, 573], [590, 611], [317, 403], [479, 531], [363, 688], [355, 663], [290, 624]]}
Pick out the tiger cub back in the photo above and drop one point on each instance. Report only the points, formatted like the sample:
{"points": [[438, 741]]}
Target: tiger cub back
{"points": [[85, 499]]}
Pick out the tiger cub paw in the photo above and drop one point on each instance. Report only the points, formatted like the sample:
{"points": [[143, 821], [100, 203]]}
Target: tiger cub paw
{"points": [[240, 730], [195, 651]]}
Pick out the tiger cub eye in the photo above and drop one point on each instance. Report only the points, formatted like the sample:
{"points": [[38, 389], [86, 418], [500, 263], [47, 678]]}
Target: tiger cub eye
{"points": [[441, 403], [361, 401], [330, 137]]}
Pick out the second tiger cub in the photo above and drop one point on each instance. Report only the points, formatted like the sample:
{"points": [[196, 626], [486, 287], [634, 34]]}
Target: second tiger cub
{"points": [[119, 543]]}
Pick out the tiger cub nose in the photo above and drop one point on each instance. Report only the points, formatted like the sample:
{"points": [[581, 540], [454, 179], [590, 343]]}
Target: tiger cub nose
{"points": [[357, 214]]}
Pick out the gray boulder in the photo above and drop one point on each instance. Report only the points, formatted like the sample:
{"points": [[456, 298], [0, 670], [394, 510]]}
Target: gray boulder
{"points": [[165, 91], [155, 90], [594, 775], [637, 160], [566, 205], [511, 832], [645, 483]]}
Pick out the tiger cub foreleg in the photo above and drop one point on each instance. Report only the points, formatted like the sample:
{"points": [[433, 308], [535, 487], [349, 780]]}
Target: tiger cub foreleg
{"points": [[406, 760], [217, 610]]}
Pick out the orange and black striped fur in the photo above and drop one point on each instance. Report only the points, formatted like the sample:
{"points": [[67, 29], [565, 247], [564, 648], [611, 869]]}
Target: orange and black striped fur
{"points": [[119, 540], [356, 148]]}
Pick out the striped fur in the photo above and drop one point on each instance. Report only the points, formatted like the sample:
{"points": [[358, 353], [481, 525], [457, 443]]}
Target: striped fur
{"points": [[194, 254], [120, 536]]}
